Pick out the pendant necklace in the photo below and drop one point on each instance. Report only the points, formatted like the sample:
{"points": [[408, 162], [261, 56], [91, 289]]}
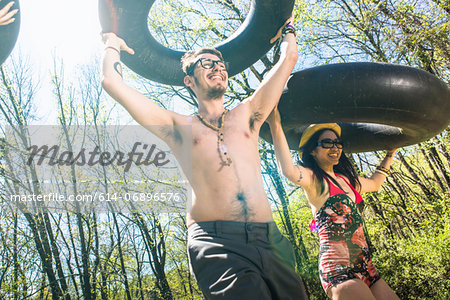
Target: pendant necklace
{"points": [[221, 147]]}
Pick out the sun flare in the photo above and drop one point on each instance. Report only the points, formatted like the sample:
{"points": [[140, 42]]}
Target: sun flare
{"points": [[68, 29]]}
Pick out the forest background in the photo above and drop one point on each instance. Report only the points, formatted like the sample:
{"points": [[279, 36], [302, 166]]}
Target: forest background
{"points": [[72, 255]]}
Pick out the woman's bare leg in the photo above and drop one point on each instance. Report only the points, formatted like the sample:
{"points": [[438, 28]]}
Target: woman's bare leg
{"points": [[381, 290], [351, 289]]}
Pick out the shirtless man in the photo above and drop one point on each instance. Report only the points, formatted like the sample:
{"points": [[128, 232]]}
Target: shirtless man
{"points": [[235, 249]]}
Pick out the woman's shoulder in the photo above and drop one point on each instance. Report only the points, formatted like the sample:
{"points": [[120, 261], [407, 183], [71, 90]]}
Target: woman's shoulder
{"points": [[316, 187]]}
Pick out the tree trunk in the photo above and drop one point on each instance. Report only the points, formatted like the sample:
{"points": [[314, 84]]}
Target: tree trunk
{"points": [[122, 262], [428, 159], [157, 259], [440, 165]]}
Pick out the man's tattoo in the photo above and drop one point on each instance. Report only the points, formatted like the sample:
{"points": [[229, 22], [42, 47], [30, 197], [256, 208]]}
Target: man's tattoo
{"points": [[300, 175], [118, 68]]}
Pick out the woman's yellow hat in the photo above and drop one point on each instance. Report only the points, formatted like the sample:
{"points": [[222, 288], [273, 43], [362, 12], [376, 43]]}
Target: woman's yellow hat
{"points": [[313, 128]]}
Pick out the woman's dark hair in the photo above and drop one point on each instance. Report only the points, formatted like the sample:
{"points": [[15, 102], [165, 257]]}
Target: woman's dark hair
{"points": [[344, 167]]}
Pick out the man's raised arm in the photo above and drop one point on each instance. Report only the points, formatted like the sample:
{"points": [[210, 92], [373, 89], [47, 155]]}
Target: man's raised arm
{"points": [[269, 91], [142, 109]]}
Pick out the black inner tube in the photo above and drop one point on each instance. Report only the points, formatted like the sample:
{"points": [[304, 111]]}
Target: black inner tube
{"points": [[128, 18], [379, 106], [9, 33]]}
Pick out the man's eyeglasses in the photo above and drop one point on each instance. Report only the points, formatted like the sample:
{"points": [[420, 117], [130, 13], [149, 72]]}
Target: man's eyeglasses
{"points": [[329, 143], [208, 63]]}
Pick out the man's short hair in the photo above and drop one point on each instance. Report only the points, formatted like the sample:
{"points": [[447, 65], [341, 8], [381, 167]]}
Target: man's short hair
{"points": [[190, 57]]}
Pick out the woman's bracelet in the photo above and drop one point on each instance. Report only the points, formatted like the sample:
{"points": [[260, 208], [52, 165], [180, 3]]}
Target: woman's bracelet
{"points": [[115, 49], [384, 170]]}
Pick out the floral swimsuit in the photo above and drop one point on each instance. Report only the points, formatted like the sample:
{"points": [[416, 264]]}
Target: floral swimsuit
{"points": [[344, 253]]}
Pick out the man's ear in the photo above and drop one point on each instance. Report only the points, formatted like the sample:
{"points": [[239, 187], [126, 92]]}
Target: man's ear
{"points": [[188, 81]]}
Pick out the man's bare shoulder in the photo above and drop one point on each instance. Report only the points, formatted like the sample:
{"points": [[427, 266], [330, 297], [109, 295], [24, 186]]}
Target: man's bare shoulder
{"points": [[180, 119], [176, 133], [242, 109]]}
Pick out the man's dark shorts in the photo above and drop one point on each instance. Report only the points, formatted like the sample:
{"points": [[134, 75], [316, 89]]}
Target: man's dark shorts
{"points": [[235, 260]]}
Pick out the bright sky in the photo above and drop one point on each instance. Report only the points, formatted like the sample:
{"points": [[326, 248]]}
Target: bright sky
{"points": [[68, 29], [65, 29]]}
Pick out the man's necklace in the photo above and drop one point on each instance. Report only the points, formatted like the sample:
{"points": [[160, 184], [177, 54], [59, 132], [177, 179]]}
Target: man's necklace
{"points": [[221, 147]]}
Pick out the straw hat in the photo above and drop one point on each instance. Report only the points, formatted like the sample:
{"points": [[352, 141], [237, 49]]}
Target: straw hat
{"points": [[313, 128]]}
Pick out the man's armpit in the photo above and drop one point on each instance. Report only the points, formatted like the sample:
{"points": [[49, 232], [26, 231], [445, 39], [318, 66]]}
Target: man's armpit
{"points": [[255, 117], [173, 134]]}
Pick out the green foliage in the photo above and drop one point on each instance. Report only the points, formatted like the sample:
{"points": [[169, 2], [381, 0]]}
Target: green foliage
{"points": [[408, 221], [417, 267], [301, 216]]}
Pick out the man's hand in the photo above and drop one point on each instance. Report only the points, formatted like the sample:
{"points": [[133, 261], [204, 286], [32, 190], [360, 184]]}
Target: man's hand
{"points": [[110, 39], [6, 16], [278, 35]]}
